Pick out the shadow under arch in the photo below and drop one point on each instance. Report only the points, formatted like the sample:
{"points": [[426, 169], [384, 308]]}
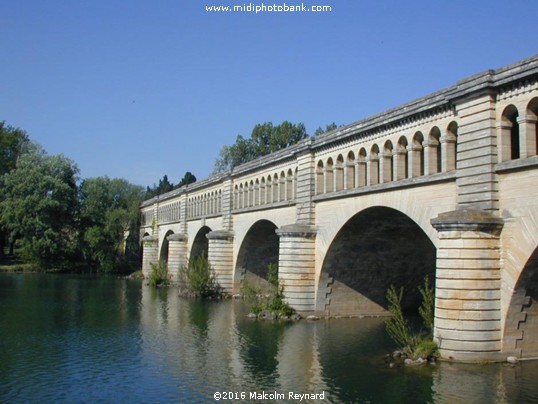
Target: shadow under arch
{"points": [[258, 249], [521, 326], [200, 245], [163, 255], [376, 248]]}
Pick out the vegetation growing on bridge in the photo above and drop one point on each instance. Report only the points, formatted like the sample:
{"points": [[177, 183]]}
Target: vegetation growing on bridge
{"points": [[412, 345], [198, 279], [267, 302]]}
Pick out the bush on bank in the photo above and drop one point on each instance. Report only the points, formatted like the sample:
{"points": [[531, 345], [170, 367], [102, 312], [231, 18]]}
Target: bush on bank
{"points": [[198, 279], [269, 299], [412, 345]]}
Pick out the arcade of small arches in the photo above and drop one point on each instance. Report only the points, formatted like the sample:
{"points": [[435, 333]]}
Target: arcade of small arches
{"points": [[416, 157], [519, 131], [266, 190]]}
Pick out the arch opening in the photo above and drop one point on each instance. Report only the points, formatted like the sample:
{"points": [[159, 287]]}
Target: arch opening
{"points": [[200, 245], [163, 256], [258, 249], [376, 248], [522, 315]]}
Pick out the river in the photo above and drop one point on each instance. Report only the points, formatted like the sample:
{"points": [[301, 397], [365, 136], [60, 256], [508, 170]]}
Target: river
{"points": [[89, 339]]}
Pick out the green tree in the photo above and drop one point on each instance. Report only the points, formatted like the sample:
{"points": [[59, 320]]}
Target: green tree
{"points": [[187, 179], [40, 206], [265, 138], [13, 142], [328, 128], [109, 222], [164, 186]]}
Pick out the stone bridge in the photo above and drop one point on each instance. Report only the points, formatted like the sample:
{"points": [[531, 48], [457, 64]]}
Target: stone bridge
{"points": [[445, 186]]}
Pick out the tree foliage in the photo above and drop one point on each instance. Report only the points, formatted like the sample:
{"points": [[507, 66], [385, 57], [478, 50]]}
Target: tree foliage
{"points": [[13, 142], [328, 128], [265, 138], [40, 207], [165, 185], [187, 179], [109, 213]]}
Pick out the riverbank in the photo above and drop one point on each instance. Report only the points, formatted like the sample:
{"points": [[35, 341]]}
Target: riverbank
{"points": [[13, 264]]}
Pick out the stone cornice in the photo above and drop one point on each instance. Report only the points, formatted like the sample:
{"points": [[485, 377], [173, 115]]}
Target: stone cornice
{"points": [[468, 220]]}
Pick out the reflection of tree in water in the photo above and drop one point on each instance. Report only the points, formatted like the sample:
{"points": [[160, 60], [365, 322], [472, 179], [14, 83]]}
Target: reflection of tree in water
{"points": [[259, 345], [353, 364], [199, 314]]}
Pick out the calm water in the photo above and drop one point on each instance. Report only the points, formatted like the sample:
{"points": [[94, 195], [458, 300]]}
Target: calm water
{"points": [[77, 339]]}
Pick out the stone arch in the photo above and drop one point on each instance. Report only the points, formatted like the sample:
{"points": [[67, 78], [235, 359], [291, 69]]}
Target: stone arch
{"points": [[362, 168], [319, 178], [449, 148], [416, 160], [521, 326], [259, 248], [275, 187], [375, 248], [257, 191], [295, 178], [263, 192], [251, 191], [282, 187], [433, 157], [510, 134], [163, 254], [373, 165], [236, 197], [289, 185], [387, 162], [200, 245], [350, 170], [532, 125], [401, 166], [339, 173], [241, 197], [329, 177], [269, 189]]}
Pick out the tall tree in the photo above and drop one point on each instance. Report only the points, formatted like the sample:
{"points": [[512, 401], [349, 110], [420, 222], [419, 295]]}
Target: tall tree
{"points": [[265, 138], [40, 207], [187, 179], [163, 187], [328, 128], [109, 221], [13, 142]]}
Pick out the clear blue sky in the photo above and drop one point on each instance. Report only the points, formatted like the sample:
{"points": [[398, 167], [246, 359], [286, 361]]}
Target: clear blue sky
{"points": [[138, 89]]}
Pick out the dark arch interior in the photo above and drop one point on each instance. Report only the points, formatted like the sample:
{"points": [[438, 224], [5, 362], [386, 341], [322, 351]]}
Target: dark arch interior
{"points": [[163, 256], [200, 246], [258, 250], [376, 248]]}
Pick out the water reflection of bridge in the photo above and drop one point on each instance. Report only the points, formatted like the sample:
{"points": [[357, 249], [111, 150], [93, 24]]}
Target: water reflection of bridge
{"points": [[199, 348], [445, 185]]}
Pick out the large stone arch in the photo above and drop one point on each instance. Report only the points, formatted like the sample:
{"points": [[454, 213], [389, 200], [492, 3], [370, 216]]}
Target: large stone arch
{"points": [[163, 253], [200, 245], [259, 248], [375, 248], [521, 326]]}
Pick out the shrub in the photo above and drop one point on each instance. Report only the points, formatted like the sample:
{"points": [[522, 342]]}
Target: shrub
{"points": [[426, 309], [269, 298], [396, 325], [418, 345], [198, 278], [159, 274]]}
